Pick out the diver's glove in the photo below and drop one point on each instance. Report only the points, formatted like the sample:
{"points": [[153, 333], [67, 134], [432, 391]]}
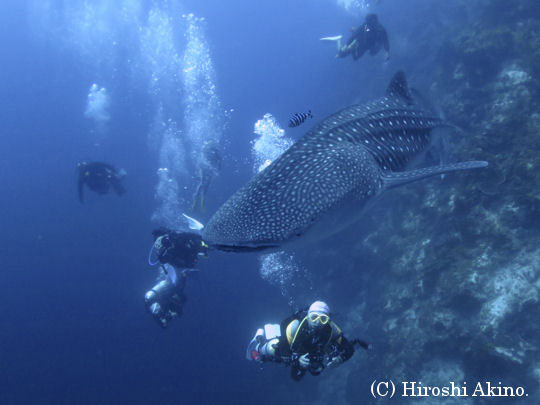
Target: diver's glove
{"points": [[303, 361], [335, 361]]}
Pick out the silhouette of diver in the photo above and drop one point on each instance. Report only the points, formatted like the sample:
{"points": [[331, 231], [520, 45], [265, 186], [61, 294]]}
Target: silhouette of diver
{"points": [[370, 36], [177, 254], [208, 166], [99, 177]]}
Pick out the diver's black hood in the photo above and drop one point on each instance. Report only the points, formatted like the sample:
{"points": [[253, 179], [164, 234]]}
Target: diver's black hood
{"points": [[372, 20]]}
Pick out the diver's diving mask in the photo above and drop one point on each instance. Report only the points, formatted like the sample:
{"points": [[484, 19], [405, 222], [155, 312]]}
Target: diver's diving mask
{"points": [[316, 317]]}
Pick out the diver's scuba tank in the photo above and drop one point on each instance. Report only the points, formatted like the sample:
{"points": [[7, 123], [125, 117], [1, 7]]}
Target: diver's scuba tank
{"points": [[261, 347], [156, 301], [161, 292]]}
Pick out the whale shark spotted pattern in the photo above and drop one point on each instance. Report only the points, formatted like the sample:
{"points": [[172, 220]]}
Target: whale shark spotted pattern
{"points": [[325, 179]]}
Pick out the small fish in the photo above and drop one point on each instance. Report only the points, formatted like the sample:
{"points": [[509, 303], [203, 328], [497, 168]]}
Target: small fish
{"points": [[299, 118]]}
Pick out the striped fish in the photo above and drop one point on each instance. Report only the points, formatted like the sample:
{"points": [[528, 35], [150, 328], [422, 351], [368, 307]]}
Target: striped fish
{"points": [[299, 118]]}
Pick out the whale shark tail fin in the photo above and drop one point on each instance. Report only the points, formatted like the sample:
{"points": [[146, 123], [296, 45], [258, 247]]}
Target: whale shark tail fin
{"points": [[397, 179]]}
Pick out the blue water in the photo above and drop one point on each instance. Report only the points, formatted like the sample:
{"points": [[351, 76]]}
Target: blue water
{"points": [[73, 324]]}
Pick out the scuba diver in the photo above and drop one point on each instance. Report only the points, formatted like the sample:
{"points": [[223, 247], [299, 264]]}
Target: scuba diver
{"points": [[99, 177], [208, 166], [179, 249], [370, 36], [165, 300], [306, 341], [177, 254]]}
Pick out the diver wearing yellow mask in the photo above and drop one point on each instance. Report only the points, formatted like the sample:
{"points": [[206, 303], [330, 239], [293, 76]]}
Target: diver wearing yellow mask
{"points": [[307, 341]]}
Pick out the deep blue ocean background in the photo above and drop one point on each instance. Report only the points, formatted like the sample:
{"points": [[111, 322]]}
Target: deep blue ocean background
{"points": [[73, 324]]}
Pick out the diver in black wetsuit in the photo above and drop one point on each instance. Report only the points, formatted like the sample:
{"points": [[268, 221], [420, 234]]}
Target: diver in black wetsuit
{"points": [[208, 166], [307, 341], [179, 249], [99, 177], [177, 253], [370, 36]]}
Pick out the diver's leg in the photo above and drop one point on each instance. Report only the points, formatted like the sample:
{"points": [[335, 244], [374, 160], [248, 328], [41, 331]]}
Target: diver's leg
{"points": [[205, 185], [177, 303], [375, 49], [117, 186], [103, 189], [196, 197], [341, 51], [336, 39], [347, 49], [357, 54]]}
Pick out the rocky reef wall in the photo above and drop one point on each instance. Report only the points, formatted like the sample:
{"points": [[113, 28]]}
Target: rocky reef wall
{"points": [[445, 279]]}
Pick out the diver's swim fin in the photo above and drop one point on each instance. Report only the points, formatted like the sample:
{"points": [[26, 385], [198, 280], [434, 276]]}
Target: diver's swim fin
{"points": [[193, 223], [334, 38], [396, 179]]}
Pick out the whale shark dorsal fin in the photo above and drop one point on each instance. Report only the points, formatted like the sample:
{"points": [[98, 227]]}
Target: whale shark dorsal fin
{"points": [[396, 179], [398, 87]]}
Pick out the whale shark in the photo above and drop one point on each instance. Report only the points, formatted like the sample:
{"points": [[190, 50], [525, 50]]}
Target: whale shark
{"points": [[324, 182]]}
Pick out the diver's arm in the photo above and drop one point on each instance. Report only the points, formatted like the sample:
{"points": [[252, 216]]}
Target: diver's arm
{"points": [[117, 186], [363, 344], [343, 352], [346, 349]]}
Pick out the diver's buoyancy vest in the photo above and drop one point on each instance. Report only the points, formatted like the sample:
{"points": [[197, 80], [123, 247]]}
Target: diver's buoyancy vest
{"points": [[292, 335]]}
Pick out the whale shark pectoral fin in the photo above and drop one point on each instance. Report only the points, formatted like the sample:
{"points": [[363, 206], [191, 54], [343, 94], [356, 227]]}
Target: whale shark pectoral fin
{"points": [[335, 38], [396, 179], [398, 87]]}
